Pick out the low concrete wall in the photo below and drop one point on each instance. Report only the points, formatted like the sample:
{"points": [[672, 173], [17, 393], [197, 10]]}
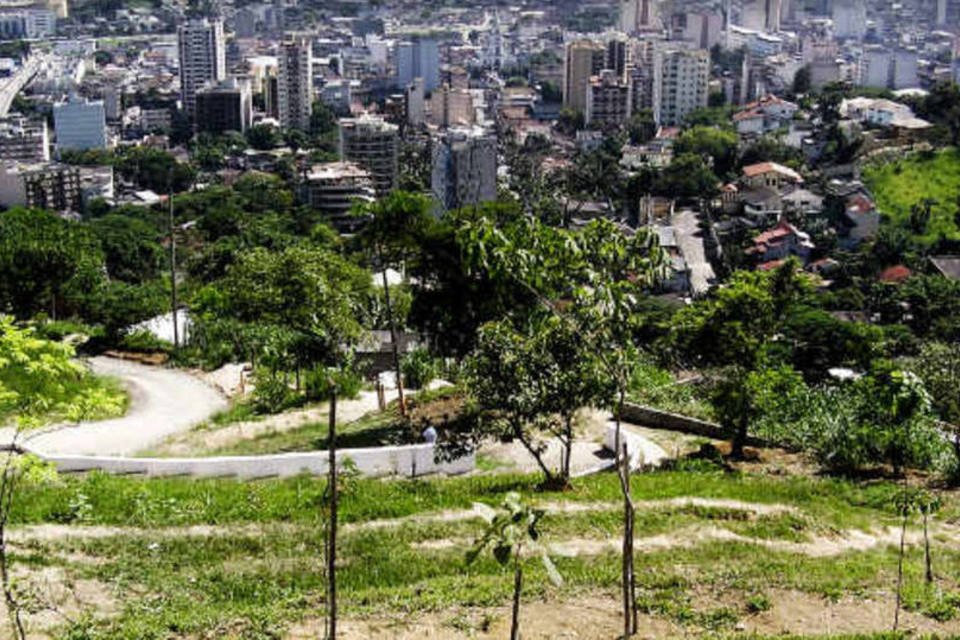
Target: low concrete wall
{"points": [[411, 460], [656, 419]]}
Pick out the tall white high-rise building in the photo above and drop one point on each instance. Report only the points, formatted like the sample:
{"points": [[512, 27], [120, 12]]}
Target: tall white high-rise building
{"points": [[80, 124], [464, 168], [685, 84], [639, 15], [295, 89], [202, 58]]}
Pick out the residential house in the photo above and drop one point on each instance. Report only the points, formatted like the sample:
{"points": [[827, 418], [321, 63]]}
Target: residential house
{"points": [[769, 113], [779, 243]]}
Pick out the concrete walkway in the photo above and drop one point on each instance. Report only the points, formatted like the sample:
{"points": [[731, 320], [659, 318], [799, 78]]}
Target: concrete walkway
{"points": [[690, 238], [162, 402]]}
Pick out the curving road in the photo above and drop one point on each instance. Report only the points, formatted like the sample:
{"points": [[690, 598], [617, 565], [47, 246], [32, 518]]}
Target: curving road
{"points": [[162, 402]]}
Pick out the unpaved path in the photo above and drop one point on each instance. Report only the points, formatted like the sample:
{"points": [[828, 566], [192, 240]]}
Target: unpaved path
{"points": [[203, 441], [588, 453], [162, 401]]}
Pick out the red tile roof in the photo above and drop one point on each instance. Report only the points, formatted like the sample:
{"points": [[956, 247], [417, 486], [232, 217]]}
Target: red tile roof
{"points": [[895, 274]]}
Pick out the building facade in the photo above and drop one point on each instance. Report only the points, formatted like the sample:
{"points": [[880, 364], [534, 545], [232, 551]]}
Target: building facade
{"points": [[223, 107], [584, 59], [608, 100], [202, 59], [295, 83], [80, 124], [685, 84], [464, 168], [24, 140], [373, 144]]}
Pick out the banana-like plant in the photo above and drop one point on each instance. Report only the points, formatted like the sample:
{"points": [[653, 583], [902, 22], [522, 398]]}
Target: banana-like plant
{"points": [[512, 533]]}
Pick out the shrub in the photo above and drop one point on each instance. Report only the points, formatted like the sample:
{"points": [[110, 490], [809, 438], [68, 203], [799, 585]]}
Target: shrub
{"points": [[419, 368], [272, 393], [316, 383], [145, 342]]}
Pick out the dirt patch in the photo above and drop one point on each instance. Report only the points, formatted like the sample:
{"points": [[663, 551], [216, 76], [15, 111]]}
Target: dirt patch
{"points": [[597, 617], [587, 617], [50, 597], [799, 612]]}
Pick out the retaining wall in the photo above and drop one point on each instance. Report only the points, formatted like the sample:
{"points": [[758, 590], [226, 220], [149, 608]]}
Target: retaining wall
{"points": [[656, 419], [411, 460]]}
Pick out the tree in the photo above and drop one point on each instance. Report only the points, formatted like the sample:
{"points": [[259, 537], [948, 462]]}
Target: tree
{"points": [[130, 246], [510, 533], [802, 80], [391, 238], [39, 381], [263, 137], [313, 294], [687, 177], [733, 329], [717, 144], [47, 262], [938, 365]]}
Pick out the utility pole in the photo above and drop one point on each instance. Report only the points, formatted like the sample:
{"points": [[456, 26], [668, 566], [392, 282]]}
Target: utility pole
{"points": [[173, 263]]}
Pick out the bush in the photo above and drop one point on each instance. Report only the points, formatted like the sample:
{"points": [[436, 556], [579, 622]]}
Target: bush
{"points": [[272, 393], [316, 384], [880, 419], [419, 368], [145, 342]]}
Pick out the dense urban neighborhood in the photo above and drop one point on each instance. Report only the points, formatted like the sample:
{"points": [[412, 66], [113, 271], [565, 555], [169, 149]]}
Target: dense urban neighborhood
{"points": [[387, 319]]}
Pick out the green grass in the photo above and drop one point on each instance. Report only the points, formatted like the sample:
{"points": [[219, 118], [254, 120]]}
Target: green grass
{"points": [[263, 570], [899, 185], [659, 389]]}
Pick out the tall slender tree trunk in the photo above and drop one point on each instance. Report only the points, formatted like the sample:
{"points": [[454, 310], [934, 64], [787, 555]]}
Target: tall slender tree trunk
{"points": [[517, 586], [627, 570], [393, 333], [567, 448], [332, 533], [928, 560]]}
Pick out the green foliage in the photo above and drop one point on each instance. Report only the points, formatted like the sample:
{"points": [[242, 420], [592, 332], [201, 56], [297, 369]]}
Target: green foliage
{"points": [[154, 169], [508, 531], [717, 144], [899, 187], [143, 341], [419, 368], [272, 393], [317, 382], [883, 419], [688, 176], [46, 262], [263, 137], [130, 246], [40, 381]]}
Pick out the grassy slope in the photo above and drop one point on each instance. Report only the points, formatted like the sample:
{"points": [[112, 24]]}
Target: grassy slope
{"points": [[251, 581], [937, 178]]}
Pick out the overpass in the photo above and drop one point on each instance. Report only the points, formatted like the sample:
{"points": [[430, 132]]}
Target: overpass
{"points": [[10, 87]]}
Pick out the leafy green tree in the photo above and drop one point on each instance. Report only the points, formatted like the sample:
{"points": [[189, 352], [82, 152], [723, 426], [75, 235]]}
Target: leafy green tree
{"points": [[154, 169], [391, 238], [802, 81], [687, 176], [39, 381], [717, 144], [508, 533], [887, 420], [733, 329], [263, 137], [130, 246], [47, 262]]}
